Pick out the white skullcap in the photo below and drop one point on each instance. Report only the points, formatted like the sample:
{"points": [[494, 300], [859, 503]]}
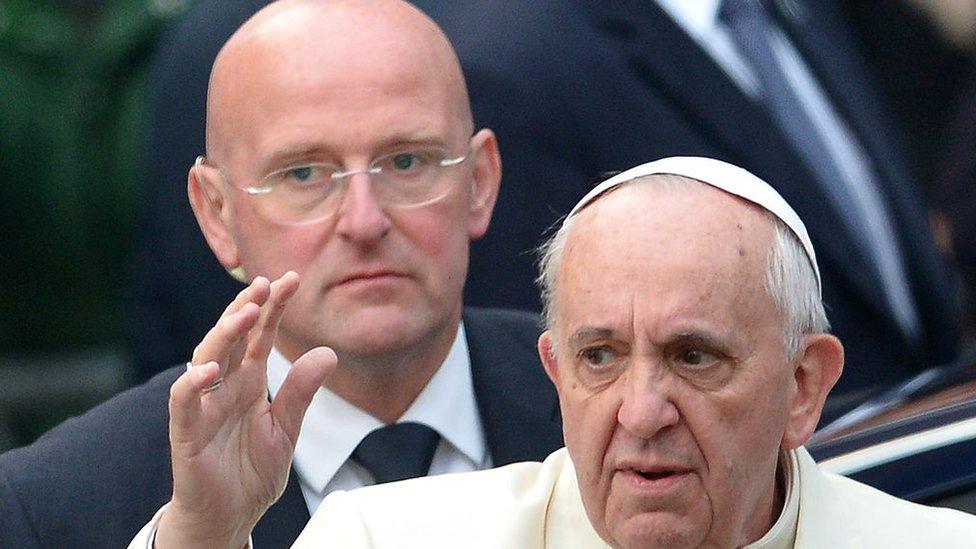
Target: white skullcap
{"points": [[721, 175]]}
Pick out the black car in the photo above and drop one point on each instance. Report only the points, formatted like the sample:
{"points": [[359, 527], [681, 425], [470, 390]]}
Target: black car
{"points": [[916, 441]]}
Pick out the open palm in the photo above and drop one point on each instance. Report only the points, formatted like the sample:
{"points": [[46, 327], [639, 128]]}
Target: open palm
{"points": [[231, 447]]}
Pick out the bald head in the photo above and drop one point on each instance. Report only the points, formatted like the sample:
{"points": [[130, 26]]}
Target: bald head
{"points": [[344, 46]]}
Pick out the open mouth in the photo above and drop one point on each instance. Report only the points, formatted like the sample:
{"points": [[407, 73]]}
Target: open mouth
{"points": [[655, 475]]}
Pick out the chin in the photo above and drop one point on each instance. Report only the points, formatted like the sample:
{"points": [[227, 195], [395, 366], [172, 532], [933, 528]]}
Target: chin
{"points": [[380, 332], [658, 532]]}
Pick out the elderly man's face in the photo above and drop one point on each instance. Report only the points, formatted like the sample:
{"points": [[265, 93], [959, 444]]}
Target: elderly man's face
{"points": [[376, 278], [671, 369]]}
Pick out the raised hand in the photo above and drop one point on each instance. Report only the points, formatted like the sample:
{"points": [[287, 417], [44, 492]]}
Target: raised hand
{"points": [[231, 448]]}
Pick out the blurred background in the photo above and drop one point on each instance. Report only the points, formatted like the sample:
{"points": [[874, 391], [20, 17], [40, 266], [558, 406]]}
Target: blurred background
{"points": [[74, 96], [79, 84]]}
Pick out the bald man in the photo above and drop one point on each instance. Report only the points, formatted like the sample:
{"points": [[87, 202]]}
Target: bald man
{"points": [[688, 342], [341, 153]]}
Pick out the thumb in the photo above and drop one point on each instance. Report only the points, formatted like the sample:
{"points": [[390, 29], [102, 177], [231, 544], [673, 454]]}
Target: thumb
{"points": [[304, 378]]}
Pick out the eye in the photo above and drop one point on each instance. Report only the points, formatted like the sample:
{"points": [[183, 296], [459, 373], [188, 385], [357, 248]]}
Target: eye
{"points": [[598, 357], [301, 173], [405, 163], [304, 175], [301, 176], [696, 357]]}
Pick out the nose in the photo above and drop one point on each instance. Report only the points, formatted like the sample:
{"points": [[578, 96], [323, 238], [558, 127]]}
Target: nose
{"points": [[647, 406], [361, 216]]}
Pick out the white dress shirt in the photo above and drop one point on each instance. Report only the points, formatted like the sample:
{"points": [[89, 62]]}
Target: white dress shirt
{"points": [[699, 20], [333, 428]]}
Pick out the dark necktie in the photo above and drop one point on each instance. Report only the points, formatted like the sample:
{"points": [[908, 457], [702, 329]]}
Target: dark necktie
{"points": [[398, 451], [858, 201], [752, 31]]}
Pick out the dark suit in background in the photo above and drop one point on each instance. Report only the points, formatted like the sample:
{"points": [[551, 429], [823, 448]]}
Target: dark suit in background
{"points": [[96, 480], [574, 87]]}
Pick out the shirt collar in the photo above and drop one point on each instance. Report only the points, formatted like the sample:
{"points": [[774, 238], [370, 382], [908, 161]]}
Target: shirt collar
{"points": [[333, 427], [696, 18], [782, 535]]}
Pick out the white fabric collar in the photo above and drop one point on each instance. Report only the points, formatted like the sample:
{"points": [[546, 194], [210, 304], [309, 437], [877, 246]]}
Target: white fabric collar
{"points": [[333, 427]]}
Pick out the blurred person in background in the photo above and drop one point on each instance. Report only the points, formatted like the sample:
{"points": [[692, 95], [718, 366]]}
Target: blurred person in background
{"points": [[779, 88], [921, 53], [72, 126]]}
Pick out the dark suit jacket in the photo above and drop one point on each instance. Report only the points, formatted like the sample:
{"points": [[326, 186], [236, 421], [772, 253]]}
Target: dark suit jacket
{"points": [[574, 87], [95, 480]]}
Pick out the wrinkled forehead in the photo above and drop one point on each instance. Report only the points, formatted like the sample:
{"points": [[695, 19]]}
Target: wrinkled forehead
{"points": [[659, 220], [670, 253], [723, 176]]}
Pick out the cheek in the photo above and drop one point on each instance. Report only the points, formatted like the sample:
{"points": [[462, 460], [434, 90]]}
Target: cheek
{"points": [[588, 425], [262, 252], [739, 439], [590, 420], [438, 233]]}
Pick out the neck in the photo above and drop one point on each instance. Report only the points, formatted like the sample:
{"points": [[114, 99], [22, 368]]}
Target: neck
{"points": [[772, 514], [385, 385]]}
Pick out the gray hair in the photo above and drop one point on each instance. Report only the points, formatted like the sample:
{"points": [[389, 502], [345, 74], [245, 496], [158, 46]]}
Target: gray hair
{"points": [[789, 279]]}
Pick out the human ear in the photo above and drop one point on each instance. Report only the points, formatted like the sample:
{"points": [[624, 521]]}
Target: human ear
{"points": [[547, 354], [818, 367], [485, 183], [211, 210]]}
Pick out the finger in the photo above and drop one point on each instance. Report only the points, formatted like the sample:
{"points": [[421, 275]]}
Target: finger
{"points": [[257, 292], [304, 378], [254, 292], [229, 331], [267, 327], [184, 401]]}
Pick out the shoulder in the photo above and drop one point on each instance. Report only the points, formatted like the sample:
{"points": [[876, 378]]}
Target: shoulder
{"points": [[516, 324], [499, 28], [880, 515], [832, 505], [502, 347], [497, 507], [96, 472]]}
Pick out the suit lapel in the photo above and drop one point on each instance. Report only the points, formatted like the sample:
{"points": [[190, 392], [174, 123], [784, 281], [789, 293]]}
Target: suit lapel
{"points": [[285, 519], [664, 56], [518, 407], [817, 30]]}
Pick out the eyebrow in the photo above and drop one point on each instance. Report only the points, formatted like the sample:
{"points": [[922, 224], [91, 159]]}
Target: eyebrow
{"points": [[694, 337], [287, 155], [587, 334]]}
